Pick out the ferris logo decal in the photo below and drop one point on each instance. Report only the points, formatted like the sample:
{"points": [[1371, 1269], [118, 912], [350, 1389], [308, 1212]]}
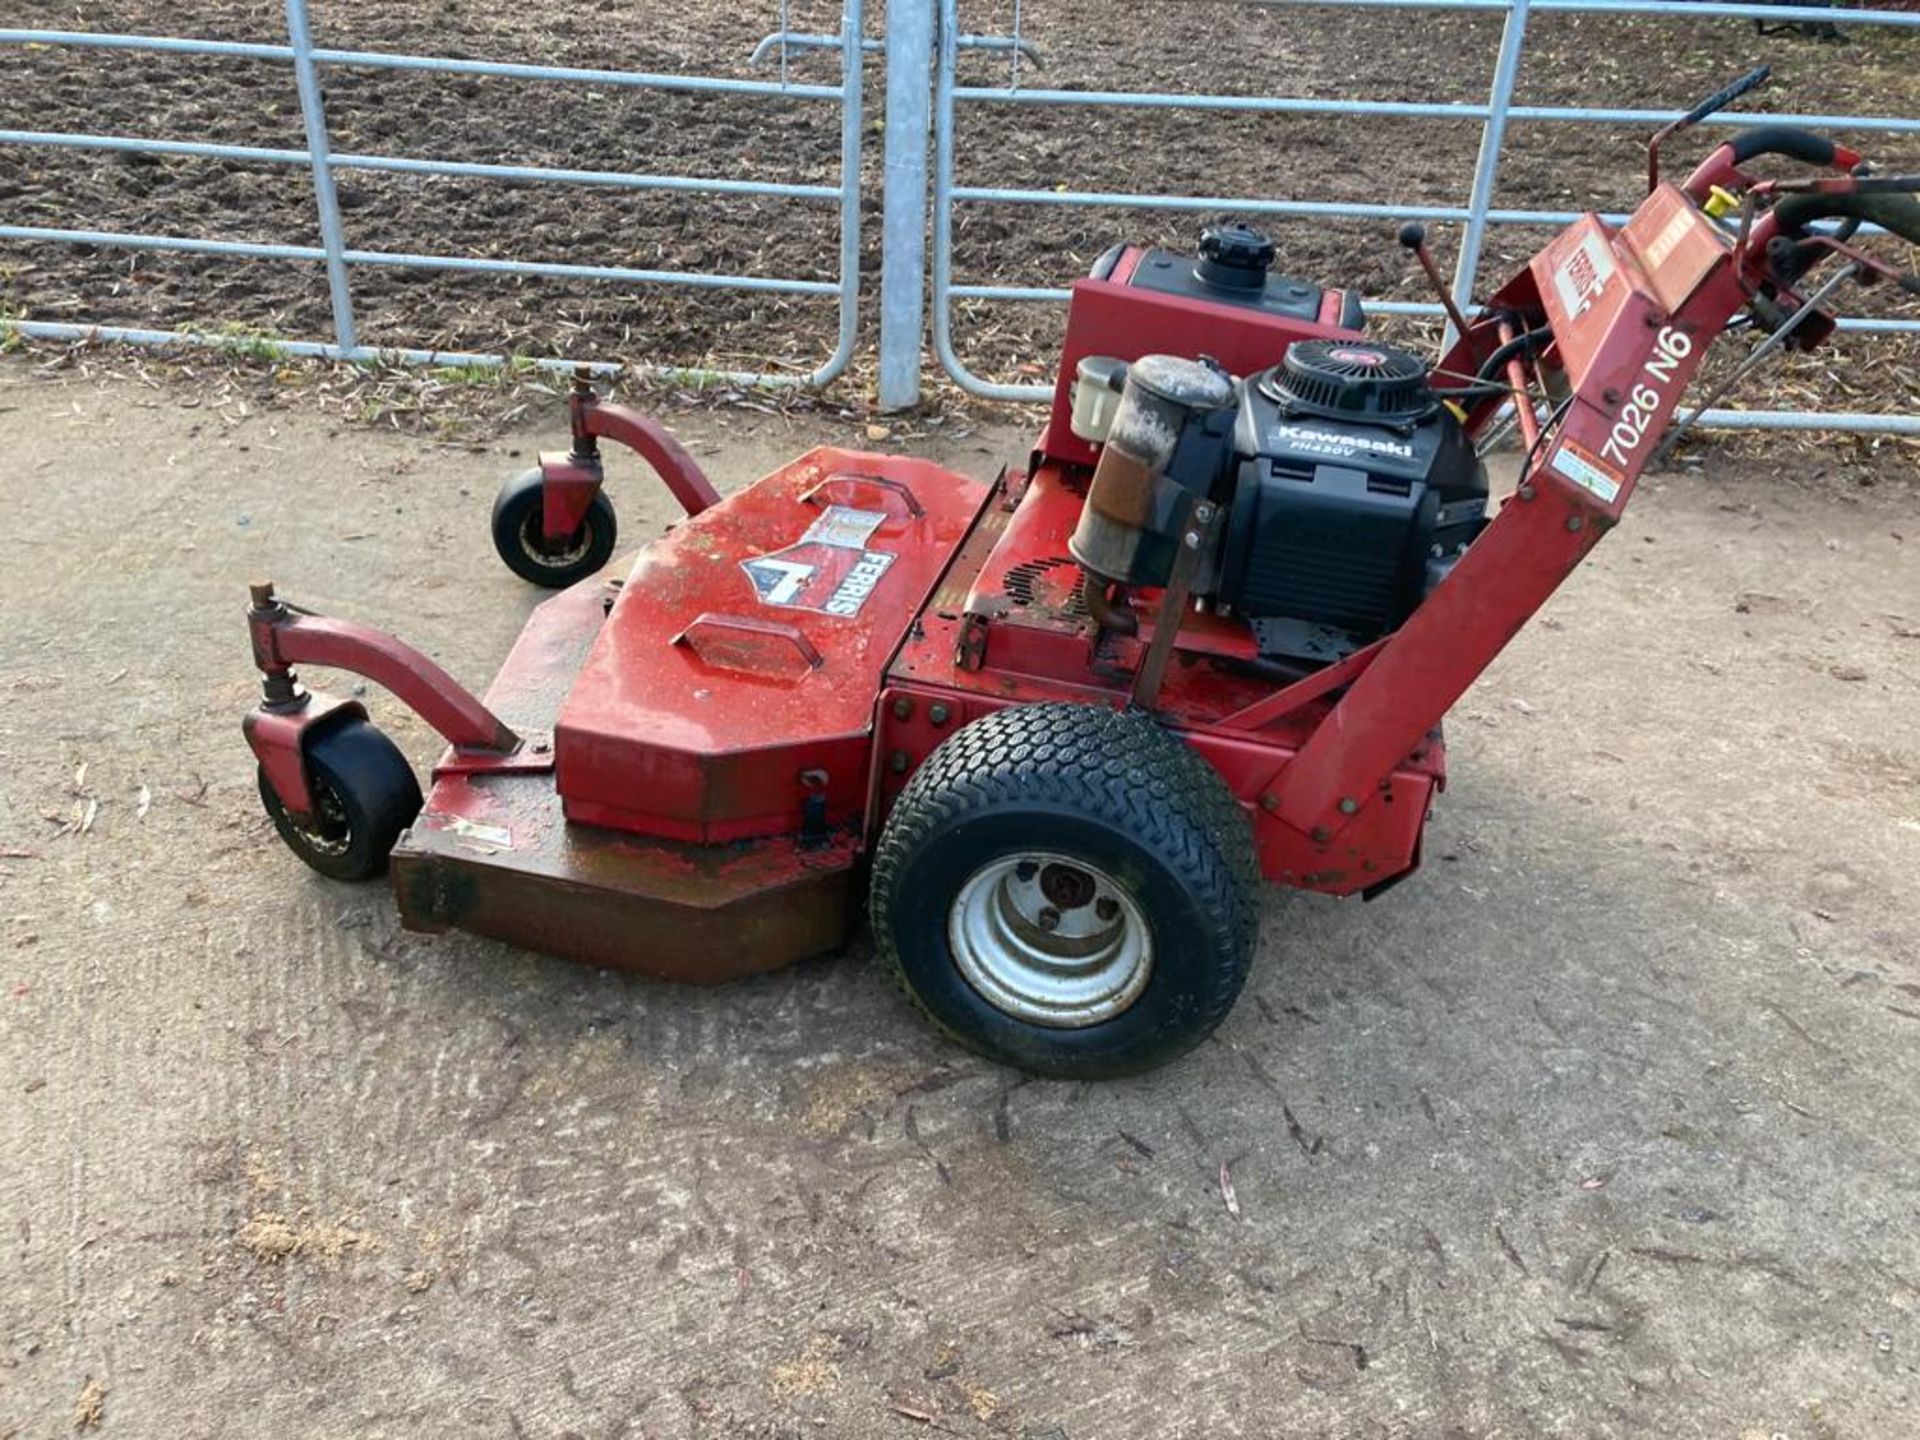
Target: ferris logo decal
{"points": [[777, 581], [1584, 274], [851, 593], [1649, 397], [828, 569], [833, 579]]}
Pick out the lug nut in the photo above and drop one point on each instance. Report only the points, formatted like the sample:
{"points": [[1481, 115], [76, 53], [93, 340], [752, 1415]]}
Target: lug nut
{"points": [[1106, 907], [1025, 871], [1049, 919]]}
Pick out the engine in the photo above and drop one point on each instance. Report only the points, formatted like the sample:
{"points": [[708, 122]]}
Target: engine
{"points": [[1345, 488]]}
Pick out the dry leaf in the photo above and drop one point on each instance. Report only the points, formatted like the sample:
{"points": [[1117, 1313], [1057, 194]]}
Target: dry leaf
{"points": [[91, 1408]]}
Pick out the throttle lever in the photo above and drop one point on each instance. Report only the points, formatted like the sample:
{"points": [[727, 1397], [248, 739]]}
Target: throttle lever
{"points": [[1413, 235]]}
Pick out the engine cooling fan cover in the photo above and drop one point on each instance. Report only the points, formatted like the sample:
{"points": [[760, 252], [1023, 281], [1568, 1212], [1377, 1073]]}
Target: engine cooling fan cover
{"points": [[1351, 380]]}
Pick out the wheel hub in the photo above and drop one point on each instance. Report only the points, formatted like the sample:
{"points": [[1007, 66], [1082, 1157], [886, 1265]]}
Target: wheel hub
{"points": [[329, 832], [1050, 940], [566, 551]]}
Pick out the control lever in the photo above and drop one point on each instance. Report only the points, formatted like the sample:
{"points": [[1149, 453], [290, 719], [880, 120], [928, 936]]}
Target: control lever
{"points": [[1413, 236], [1719, 100]]}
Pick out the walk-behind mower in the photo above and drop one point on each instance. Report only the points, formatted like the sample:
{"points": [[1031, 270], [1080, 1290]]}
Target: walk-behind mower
{"points": [[1053, 728]]}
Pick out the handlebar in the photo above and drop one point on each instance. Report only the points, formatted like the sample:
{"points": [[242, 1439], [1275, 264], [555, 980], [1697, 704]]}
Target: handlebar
{"points": [[1888, 203], [1722, 167], [1794, 143]]}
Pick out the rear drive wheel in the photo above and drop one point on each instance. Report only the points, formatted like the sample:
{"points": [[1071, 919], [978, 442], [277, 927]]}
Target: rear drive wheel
{"points": [[520, 537], [364, 796], [1068, 889]]}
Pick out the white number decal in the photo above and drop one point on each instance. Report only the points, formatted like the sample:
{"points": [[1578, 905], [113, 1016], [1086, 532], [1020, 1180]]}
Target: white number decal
{"points": [[1643, 406]]}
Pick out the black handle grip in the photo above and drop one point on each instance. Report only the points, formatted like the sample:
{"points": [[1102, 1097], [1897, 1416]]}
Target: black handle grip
{"points": [[1720, 99], [1888, 209], [1887, 185], [1786, 140], [1413, 235]]}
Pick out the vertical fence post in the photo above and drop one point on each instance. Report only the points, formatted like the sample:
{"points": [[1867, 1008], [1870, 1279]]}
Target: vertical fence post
{"points": [[903, 293], [319, 158], [1486, 169]]}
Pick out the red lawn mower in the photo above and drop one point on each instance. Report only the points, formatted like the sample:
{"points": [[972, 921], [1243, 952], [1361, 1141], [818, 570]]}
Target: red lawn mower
{"points": [[1053, 728]]}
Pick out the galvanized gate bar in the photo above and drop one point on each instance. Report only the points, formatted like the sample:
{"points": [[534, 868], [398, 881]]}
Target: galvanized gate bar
{"points": [[339, 258], [313, 118], [383, 60], [1413, 109], [1475, 215], [903, 309], [405, 165], [1486, 166]]}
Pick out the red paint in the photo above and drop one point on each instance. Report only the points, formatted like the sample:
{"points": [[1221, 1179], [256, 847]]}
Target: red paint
{"points": [[571, 478], [282, 638], [278, 739], [705, 696]]}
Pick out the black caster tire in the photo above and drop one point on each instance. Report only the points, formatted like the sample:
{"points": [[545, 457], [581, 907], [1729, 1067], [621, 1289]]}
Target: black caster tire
{"points": [[364, 795], [1068, 889], [530, 555]]}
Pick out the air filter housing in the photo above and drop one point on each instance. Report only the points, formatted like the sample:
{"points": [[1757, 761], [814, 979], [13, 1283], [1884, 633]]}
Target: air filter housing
{"points": [[1351, 380]]}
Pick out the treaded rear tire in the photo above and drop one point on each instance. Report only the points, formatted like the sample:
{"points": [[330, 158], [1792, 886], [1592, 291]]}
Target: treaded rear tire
{"points": [[1114, 790]]}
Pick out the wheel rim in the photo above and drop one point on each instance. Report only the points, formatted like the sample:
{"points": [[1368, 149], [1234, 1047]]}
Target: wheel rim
{"points": [[329, 832], [553, 554], [1050, 940]]}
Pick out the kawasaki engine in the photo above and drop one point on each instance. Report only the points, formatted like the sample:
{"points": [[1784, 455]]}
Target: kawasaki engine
{"points": [[1343, 488]]}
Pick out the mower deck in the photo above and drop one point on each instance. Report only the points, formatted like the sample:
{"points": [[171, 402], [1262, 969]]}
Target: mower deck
{"points": [[708, 766], [730, 693]]}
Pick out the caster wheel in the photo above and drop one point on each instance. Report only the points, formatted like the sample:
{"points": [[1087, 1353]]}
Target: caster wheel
{"points": [[1068, 889], [364, 796], [556, 564]]}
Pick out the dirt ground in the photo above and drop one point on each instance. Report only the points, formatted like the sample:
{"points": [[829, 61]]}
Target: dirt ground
{"points": [[1602, 1125], [1212, 46]]}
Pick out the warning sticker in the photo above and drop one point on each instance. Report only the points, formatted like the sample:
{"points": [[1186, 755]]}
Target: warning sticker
{"points": [[829, 569], [845, 526], [1588, 471]]}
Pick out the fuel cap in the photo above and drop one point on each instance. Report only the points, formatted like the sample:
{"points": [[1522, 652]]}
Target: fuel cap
{"points": [[1234, 257]]}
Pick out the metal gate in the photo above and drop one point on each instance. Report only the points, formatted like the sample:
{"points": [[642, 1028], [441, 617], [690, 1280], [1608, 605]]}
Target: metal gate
{"points": [[1475, 215], [323, 163], [923, 43]]}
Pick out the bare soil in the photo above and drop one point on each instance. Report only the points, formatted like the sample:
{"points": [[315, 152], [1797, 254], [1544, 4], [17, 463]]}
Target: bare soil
{"points": [[1602, 1125], [1203, 45]]}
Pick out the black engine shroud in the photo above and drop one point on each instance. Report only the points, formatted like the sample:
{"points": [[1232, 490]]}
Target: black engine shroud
{"points": [[1354, 490]]}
